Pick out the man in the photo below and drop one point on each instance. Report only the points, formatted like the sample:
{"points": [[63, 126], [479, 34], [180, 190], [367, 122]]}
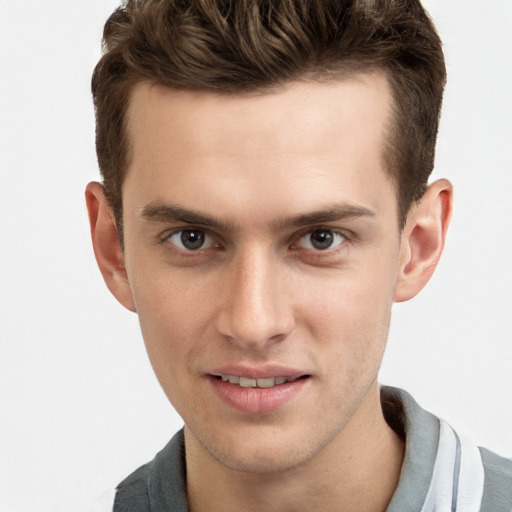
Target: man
{"points": [[265, 201]]}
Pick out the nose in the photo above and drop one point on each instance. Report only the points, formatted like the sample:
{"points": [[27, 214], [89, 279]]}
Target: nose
{"points": [[257, 309]]}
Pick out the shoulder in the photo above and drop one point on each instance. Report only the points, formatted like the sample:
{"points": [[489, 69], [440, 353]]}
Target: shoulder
{"points": [[157, 485], [132, 492], [443, 470], [497, 493]]}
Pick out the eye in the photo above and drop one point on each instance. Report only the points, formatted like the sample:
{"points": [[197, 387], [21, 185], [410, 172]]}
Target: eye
{"points": [[191, 239], [321, 239]]}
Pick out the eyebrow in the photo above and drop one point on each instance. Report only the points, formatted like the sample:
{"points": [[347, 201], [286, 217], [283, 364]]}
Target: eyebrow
{"points": [[172, 213], [155, 212], [331, 213]]}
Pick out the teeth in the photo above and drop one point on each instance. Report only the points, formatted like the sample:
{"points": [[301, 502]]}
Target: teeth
{"points": [[245, 382], [266, 383]]}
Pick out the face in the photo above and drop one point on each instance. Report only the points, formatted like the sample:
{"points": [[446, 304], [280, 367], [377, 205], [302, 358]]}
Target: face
{"points": [[261, 248]]}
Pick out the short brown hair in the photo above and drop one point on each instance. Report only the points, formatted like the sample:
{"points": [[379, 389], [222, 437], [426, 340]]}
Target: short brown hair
{"points": [[237, 46]]}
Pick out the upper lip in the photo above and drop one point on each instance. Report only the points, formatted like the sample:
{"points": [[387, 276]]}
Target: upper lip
{"points": [[266, 371]]}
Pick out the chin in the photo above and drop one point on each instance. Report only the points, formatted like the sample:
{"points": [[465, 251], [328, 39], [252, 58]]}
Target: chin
{"points": [[263, 452], [263, 461]]}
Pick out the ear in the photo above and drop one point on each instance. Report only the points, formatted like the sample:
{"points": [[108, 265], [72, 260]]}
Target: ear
{"points": [[423, 239], [107, 248]]}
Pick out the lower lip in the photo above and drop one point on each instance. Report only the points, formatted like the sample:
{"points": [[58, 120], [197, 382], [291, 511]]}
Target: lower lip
{"points": [[257, 400]]}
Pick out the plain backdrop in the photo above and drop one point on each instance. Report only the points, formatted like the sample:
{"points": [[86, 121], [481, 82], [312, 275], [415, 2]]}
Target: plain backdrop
{"points": [[80, 407]]}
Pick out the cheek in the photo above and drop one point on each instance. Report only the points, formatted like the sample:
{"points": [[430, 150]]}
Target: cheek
{"points": [[168, 328], [352, 301], [170, 316], [169, 300], [350, 312]]}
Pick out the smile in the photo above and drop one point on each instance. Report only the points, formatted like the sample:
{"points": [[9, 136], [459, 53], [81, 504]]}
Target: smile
{"points": [[266, 383], [258, 395]]}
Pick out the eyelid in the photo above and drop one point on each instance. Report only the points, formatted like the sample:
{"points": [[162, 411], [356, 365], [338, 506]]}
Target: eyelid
{"points": [[166, 236], [347, 235]]}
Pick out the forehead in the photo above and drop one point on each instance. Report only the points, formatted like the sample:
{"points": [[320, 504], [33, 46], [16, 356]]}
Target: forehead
{"points": [[270, 115], [305, 138]]}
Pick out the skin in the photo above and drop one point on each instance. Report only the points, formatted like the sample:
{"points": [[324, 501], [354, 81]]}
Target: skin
{"points": [[255, 168]]}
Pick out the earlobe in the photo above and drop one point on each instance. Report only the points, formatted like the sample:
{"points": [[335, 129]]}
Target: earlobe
{"points": [[423, 239], [107, 249]]}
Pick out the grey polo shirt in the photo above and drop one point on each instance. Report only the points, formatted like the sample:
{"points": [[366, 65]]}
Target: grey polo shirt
{"points": [[441, 472]]}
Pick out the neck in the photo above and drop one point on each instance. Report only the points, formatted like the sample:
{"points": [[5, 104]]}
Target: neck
{"points": [[357, 471]]}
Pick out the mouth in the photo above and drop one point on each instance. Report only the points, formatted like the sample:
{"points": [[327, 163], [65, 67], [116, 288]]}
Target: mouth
{"points": [[258, 393], [262, 383]]}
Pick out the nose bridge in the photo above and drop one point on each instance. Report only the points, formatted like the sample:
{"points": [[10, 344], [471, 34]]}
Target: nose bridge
{"points": [[256, 310]]}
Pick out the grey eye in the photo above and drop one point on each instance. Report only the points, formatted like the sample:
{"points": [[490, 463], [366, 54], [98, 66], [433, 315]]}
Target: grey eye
{"points": [[321, 239], [191, 239]]}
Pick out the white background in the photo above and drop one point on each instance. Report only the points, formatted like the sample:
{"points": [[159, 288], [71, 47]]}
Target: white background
{"points": [[80, 407]]}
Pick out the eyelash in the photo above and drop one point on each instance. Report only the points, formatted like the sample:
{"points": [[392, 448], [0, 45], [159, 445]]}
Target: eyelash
{"points": [[328, 251], [165, 239]]}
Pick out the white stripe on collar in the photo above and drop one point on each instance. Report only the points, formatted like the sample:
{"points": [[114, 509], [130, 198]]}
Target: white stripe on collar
{"points": [[458, 479]]}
